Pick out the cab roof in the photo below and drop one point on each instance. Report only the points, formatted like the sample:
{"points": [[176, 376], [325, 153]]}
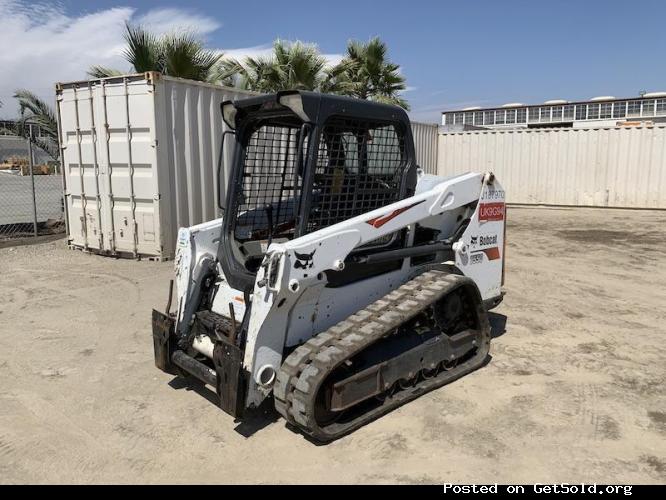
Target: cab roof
{"points": [[315, 107]]}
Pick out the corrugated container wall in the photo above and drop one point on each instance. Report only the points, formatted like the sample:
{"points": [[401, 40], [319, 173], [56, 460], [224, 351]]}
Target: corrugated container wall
{"points": [[425, 143], [140, 156], [602, 167]]}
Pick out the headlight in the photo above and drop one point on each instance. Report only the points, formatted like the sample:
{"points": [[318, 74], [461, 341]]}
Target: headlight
{"points": [[295, 103], [229, 114]]}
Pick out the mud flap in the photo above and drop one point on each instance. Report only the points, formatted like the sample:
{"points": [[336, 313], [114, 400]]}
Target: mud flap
{"points": [[228, 361], [164, 342]]}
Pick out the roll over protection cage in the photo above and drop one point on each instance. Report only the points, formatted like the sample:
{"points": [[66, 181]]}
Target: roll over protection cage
{"points": [[314, 110]]}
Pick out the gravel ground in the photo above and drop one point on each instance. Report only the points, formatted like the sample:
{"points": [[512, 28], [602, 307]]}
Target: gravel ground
{"points": [[574, 391]]}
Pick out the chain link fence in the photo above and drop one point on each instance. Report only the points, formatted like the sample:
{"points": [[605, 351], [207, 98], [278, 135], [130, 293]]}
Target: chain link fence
{"points": [[31, 199]]}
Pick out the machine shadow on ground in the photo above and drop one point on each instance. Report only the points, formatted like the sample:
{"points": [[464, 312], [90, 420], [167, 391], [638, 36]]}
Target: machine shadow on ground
{"points": [[194, 385], [253, 421]]}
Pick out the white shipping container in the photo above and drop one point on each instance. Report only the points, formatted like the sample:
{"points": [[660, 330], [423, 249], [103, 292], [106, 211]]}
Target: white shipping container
{"points": [[140, 157]]}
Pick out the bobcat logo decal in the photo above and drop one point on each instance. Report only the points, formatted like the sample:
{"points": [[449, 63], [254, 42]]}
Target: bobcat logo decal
{"points": [[304, 260]]}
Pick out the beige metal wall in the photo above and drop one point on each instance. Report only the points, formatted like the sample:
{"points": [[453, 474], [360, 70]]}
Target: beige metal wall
{"points": [[189, 128], [425, 143], [603, 167]]}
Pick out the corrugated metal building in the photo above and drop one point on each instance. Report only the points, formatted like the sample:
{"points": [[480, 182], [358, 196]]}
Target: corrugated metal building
{"points": [[601, 167], [602, 111], [425, 143]]}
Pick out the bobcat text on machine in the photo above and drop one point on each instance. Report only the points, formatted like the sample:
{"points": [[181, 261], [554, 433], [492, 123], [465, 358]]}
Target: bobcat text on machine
{"points": [[341, 280]]}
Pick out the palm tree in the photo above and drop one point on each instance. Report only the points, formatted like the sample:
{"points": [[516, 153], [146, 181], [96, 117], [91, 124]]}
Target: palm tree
{"points": [[365, 72], [251, 74], [295, 65], [371, 74], [34, 111], [177, 54]]}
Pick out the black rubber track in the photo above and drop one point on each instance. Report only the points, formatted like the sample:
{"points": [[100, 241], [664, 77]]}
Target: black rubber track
{"points": [[306, 369]]}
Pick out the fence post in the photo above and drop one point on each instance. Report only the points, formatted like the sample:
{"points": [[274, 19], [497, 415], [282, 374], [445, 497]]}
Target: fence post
{"points": [[32, 181]]}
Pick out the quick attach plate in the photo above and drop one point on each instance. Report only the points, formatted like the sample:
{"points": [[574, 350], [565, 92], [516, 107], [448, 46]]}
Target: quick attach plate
{"points": [[164, 342]]}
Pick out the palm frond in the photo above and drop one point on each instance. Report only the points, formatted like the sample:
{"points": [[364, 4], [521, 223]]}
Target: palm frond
{"points": [[394, 100], [294, 65], [336, 79], [35, 111], [143, 49], [227, 72], [184, 56], [97, 71], [39, 109], [372, 75]]}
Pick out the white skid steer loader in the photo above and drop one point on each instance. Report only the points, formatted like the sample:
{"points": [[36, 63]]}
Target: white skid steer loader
{"points": [[341, 280]]}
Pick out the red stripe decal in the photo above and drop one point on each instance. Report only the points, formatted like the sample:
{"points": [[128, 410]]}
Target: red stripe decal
{"points": [[492, 253], [378, 222]]}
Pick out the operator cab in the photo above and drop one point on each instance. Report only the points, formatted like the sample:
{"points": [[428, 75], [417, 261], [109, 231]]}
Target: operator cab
{"points": [[304, 161]]}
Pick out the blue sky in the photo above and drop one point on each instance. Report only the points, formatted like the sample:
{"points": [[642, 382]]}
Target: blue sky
{"points": [[454, 54]]}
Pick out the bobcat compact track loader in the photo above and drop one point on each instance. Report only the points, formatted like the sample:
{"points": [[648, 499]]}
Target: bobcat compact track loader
{"points": [[341, 280]]}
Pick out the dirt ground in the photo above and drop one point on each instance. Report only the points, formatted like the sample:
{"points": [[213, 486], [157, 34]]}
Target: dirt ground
{"points": [[574, 391]]}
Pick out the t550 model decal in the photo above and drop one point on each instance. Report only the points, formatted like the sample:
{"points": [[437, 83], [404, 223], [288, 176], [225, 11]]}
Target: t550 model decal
{"points": [[380, 221]]}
